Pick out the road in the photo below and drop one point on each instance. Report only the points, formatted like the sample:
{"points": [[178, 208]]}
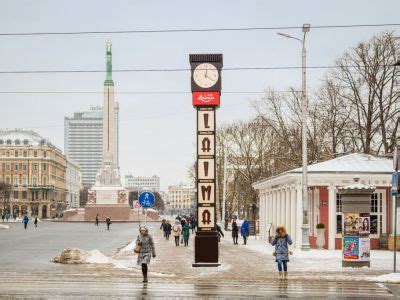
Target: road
{"points": [[27, 271]]}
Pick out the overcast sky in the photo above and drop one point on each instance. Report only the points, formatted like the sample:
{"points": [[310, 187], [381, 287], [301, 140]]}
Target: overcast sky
{"points": [[157, 132]]}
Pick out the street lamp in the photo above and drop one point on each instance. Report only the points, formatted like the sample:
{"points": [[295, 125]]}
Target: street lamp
{"points": [[305, 228]]}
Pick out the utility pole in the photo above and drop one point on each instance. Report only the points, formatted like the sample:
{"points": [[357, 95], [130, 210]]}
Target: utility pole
{"points": [[305, 227], [224, 191], [396, 186]]}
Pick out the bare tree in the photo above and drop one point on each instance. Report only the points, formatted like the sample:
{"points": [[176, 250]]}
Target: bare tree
{"points": [[368, 80]]}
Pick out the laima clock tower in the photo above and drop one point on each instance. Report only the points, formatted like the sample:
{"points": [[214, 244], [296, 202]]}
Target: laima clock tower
{"points": [[206, 91]]}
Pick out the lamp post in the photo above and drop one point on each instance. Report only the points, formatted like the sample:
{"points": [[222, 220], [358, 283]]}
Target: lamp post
{"points": [[305, 228]]}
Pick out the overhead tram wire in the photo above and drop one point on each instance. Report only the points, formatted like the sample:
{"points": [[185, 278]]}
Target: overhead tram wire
{"points": [[261, 68], [141, 92], [191, 30]]}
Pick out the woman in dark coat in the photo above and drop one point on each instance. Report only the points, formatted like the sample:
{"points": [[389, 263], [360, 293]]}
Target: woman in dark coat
{"points": [[235, 232], [281, 241], [168, 228], [147, 250]]}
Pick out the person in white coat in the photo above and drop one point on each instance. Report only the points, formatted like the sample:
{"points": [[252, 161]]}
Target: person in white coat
{"points": [[176, 232]]}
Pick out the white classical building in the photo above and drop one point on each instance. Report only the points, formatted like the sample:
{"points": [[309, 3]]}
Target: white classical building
{"points": [[142, 183], [73, 184], [281, 198]]}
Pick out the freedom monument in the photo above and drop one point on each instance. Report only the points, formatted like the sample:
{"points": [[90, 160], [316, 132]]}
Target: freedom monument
{"points": [[108, 197]]}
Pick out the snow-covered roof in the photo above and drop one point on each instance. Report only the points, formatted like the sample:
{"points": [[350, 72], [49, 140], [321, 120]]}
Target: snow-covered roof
{"points": [[22, 137], [346, 165], [354, 163]]}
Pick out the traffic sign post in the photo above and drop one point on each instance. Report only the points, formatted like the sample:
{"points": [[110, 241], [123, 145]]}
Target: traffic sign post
{"points": [[146, 200]]}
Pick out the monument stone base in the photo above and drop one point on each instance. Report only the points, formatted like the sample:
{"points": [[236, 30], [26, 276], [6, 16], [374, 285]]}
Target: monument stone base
{"points": [[116, 212]]}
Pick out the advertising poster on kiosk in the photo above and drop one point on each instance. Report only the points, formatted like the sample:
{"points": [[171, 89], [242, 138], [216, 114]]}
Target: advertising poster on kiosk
{"points": [[365, 249], [351, 248], [356, 224], [356, 241]]}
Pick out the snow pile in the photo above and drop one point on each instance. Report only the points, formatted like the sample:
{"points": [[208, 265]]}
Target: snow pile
{"points": [[4, 227], [391, 277], [323, 260], [96, 257]]}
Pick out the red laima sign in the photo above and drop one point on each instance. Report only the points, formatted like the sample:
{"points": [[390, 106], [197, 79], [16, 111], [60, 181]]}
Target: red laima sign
{"points": [[205, 98]]}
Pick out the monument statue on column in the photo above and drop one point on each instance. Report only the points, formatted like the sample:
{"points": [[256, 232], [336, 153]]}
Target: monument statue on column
{"points": [[108, 196]]}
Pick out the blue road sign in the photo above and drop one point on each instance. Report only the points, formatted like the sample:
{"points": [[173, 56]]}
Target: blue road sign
{"points": [[395, 188], [147, 199]]}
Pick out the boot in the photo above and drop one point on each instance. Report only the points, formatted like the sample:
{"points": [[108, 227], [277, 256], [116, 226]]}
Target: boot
{"points": [[285, 275], [280, 275]]}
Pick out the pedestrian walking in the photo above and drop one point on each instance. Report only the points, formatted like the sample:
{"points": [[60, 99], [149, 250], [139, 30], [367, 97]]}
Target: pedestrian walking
{"points": [[193, 224], [36, 221], [7, 217], [163, 227], [97, 220], [25, 220], [219, 232], [245, 231], [3, 217], [168, 230], [176, 231], [281, 241], [147, 250], [235, 232], [186, 234], [108, 222]]}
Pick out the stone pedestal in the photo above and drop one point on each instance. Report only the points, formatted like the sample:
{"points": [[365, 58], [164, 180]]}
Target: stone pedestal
{"points": [[116, 212]]}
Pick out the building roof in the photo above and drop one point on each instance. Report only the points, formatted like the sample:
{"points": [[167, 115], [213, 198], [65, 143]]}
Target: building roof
{"points": [[355, 163], [22, 137]]}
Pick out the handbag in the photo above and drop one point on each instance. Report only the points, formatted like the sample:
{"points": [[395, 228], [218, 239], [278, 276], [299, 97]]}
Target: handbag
{"points": [[137, 248]]}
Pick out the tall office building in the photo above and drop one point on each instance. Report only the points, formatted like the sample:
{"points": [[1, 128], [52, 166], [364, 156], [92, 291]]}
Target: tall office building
{"points": [[83, 141]]}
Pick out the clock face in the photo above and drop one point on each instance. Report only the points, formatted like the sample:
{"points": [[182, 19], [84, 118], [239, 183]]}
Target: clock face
{"points": [[205, 75]]}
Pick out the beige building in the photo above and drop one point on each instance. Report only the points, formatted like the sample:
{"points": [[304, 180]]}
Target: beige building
{"points": [[181, 198], [37, 172]]}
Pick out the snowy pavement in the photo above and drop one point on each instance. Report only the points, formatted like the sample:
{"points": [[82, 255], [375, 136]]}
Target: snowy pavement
{"points": [[109, 267]]}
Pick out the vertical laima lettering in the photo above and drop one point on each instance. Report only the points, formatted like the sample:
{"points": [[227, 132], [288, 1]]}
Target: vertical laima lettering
{"points": [[206, 217], [205, 165], [206, 192], [205, 116], [205, 143]]}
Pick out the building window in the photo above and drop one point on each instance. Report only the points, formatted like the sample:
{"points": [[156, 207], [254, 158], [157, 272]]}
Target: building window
{"points": [[8, 142], [377, 217], [8, 153], [24, 195], [24, 167], [8, 167], [8, 181], [44, 181], [15, 181], [1, 142], [15, 195], [34, 181], [44, 167], [35, 153], [24, 180], [16, 153], [25, 153], [15, 167], [44, 153], [17, 142], [35, 167], [26, 142]]}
